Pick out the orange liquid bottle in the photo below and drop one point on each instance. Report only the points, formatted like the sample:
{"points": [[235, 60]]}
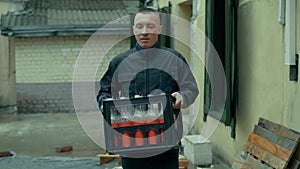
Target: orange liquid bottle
{"points": [[139, 138], [125, 139], [152, 139], [116, 139]]}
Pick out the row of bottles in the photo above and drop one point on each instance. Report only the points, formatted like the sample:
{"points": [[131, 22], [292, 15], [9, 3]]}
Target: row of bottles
{"points": [[139, 139]]}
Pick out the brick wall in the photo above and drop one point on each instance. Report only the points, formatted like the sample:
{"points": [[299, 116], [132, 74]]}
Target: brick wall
{"points": [[45, 67]]}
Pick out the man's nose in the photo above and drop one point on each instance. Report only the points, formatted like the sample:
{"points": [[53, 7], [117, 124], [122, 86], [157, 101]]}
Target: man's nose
{"points": [[145, 30]]}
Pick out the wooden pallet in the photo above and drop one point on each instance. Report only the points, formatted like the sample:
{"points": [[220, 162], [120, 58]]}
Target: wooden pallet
{"points": [[271, 145]]}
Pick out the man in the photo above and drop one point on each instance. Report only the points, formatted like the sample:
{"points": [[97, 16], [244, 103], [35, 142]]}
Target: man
{"points": [[149, 68]]}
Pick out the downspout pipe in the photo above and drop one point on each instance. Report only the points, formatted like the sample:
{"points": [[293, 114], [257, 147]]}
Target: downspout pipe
{"points": [[194, 22], [290, 32], [193, 45], [281, 12]]}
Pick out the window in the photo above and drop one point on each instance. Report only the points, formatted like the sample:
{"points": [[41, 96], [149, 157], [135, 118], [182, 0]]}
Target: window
{"points": [[221, 30]]}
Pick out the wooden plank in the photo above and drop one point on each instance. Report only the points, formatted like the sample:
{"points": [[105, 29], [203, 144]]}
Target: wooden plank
{"points": [[281, 141], [265, 156], [238, 162], [253, 163], [236, 165], [106, 158], [5, 154], [279, 130], [267, 145]]}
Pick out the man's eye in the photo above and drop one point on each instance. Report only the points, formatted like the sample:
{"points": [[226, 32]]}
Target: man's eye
{"points": [[151, 26], [139, 26]]}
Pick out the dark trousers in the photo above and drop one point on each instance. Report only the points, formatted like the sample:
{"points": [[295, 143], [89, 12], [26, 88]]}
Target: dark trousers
{"points": [[166, 160]]}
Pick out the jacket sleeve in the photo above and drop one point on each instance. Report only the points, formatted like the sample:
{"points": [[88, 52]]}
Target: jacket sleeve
{"points": [[188, 87], [106, 85]]}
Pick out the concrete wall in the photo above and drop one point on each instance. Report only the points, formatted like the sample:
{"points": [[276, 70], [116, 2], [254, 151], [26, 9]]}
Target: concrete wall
{"points": [[7, 68], [264, 86], [264, 89], [292, 108], [45, 67]]}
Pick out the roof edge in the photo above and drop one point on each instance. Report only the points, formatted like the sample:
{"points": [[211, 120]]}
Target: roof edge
{"points": [[65, 30]]}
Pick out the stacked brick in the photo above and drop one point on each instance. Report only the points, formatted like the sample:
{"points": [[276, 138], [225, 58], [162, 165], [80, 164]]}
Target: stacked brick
{"points": [[45, 68]]}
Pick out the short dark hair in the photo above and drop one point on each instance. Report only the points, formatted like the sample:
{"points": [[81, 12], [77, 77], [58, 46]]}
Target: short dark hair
{"points": [[146, 10]]}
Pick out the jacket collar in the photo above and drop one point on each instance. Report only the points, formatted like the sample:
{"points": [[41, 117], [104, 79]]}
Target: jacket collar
{"points": [[138, 47]]}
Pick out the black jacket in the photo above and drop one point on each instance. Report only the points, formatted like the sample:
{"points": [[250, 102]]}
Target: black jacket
{"points": [[141, 71]]}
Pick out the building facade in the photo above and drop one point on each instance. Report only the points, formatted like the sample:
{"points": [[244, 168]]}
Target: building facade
{"points": [[43, 42], [265, 88]]}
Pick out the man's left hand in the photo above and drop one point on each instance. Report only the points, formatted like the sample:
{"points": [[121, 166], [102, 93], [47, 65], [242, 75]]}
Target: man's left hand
{"points": [[178, 104]]}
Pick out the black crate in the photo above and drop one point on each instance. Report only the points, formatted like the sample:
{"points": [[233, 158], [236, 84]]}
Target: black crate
{"points": [[138, 124]]}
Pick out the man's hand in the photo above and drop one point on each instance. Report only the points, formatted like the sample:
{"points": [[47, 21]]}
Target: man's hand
{"points": [[178, 100]]}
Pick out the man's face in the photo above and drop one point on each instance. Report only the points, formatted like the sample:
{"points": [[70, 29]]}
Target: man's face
{"points": [[146, 29]]}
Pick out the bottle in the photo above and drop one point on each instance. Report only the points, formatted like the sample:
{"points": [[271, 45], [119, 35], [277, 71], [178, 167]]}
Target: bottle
{"points": [[116, 139], [152, 139], [126, 139], [139, 138]]}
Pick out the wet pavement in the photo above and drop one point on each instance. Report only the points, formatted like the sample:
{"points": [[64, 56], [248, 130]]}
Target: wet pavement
{"points": [[39, 135]]}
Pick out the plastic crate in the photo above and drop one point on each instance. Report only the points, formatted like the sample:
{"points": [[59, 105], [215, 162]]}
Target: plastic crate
{"points": [[138, 124]]}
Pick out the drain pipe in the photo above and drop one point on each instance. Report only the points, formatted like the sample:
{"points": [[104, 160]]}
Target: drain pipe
{"points": [[193, 58], [290, 32], [194, 41], [281, 13]]}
